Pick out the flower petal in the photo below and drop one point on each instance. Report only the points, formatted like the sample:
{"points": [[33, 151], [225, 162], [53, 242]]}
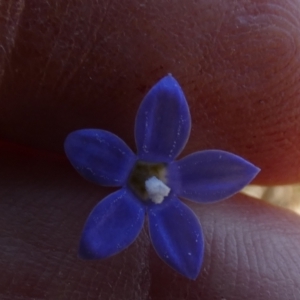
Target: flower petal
{"points": [[100, 156], [112, 226], [177, 236], [163, 122], [211, 175]]}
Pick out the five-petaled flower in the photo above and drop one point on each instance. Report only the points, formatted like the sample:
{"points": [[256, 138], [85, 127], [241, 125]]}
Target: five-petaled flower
{"points": [[152, 181]]}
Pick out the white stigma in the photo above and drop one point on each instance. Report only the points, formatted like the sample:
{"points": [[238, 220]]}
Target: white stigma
{"points": [[156, 189]]}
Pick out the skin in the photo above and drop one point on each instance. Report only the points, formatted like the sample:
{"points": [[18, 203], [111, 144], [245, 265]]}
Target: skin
{"points": [[87, 64]]}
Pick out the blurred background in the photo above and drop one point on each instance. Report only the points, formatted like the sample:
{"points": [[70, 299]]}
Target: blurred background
{"points": [[287, 196]]}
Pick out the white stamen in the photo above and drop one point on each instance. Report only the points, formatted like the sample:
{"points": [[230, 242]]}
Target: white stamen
{"points": [[156, 189]]}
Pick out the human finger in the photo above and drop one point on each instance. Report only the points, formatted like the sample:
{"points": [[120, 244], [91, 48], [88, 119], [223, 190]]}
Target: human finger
{"points": [[251, 248]]}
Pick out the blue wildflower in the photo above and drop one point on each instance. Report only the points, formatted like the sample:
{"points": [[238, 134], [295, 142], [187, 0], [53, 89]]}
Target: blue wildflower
{"points": [[152, 181]]}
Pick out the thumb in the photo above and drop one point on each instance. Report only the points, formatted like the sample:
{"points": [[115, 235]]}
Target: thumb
{"points": [[88, 64]]}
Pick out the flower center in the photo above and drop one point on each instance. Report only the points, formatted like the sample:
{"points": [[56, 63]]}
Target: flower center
{"points": [[148, 181]]}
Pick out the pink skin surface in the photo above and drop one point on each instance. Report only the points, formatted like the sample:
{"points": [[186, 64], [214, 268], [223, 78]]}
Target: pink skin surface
{"points": [[66, 65]]}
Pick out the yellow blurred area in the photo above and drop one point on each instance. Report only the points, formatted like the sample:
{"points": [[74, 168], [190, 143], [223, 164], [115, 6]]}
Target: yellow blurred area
{"points": [[287, 196]]}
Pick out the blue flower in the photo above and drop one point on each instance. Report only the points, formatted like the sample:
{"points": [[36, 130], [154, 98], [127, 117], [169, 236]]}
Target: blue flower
{"points": [[152, 181]]}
